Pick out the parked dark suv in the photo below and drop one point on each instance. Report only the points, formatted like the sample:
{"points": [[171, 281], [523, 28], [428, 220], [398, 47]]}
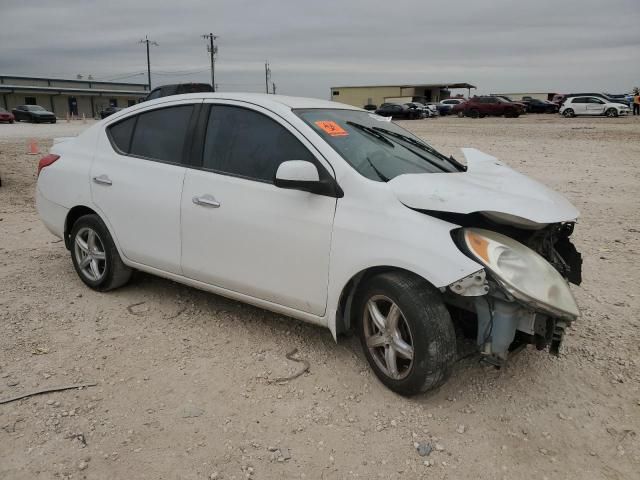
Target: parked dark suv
{"points": [[178, 89], [478, 107]]}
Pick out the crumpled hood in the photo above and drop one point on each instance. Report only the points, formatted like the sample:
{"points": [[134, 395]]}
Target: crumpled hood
{"points": [[487, 186]]}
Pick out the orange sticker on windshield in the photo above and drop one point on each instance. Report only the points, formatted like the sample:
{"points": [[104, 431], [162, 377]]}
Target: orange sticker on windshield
{"points": [[332, 128]]}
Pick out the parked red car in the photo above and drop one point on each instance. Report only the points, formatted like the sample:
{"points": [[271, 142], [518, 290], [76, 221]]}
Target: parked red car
{"points": [[478, 107], [6, 116]]}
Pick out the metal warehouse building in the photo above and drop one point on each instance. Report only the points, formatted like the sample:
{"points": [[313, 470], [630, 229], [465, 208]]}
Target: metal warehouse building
{"points": [[359, 96], [64, 97]]}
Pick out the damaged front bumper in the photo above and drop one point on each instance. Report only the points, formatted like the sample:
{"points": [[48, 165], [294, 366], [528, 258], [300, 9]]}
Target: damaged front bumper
{"points": [[505, 323], [522, 295]]}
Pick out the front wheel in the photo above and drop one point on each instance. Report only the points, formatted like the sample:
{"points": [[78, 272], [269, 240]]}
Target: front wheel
{"points": [[612, 112], [460, 114], [568, 113], [95, 256], [406, 332]]}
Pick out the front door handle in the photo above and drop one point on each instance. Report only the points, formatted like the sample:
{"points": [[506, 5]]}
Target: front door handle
{"points": [[103, 180], [206, 201]]}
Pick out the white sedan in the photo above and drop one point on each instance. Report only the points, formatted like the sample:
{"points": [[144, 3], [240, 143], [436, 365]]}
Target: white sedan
{"points": [[323, 212]]}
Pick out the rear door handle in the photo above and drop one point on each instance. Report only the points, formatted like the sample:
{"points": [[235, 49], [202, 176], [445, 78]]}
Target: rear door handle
{"points": [[206, 201], [102, 180]]}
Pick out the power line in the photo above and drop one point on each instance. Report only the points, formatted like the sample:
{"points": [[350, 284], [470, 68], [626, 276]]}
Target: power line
{"points": [[119, 77], [176, 74]]}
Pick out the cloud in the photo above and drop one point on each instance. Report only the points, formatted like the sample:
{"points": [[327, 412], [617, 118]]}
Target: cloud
{"points": [[558, 45]]}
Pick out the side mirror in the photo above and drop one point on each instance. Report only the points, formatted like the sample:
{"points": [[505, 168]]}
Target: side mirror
{"points": [[304, 175]]}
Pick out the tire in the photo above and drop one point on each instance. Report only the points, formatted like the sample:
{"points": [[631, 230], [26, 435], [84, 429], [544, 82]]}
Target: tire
{"points": [[34, 120], [511, 114], [474, 113], [422, 323], [110, 272], [53, 121], [568, 113], [461, 114], [612, 112]]}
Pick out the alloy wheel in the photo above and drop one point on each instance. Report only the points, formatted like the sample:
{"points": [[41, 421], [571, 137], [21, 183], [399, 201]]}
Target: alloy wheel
{"points": [[90, 254], [388, 337]]}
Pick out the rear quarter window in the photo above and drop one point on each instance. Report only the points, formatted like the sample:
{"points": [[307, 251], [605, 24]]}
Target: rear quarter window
{"points": [[120, 134]]}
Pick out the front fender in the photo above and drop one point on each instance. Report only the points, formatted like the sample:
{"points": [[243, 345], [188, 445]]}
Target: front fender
{"points": [[395, 237]]}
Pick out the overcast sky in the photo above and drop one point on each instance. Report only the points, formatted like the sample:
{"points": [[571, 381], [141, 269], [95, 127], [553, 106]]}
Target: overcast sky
{"points": [[498, 45]]}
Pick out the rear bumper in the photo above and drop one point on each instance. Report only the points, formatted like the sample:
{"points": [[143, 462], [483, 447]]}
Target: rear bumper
{"points": [[52, 215]]}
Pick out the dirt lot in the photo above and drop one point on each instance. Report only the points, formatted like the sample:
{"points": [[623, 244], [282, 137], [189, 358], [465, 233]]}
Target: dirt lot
{"points": [[183, 377]]}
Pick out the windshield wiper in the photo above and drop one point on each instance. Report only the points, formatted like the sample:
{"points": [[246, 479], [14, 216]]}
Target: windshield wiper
{"points": [[422, 146], [383, 177], [371, 131]]}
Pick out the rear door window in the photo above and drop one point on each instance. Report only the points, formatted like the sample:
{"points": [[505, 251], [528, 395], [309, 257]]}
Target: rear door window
{"points": [[160, 134]]}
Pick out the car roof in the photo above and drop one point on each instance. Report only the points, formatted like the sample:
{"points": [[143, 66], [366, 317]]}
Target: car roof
{"points": [[262, 99]]}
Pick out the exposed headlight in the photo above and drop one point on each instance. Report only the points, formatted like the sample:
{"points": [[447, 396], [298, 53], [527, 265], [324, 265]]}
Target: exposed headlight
{"points": [[521, 271]]}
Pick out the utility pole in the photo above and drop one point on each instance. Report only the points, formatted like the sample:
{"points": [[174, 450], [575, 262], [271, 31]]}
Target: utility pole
{"points": [[213, 50], [148, 42], [273, 87], [267, 75]]}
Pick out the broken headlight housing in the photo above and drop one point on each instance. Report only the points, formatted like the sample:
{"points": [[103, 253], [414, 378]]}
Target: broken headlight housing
{"points": [[523, 273]]}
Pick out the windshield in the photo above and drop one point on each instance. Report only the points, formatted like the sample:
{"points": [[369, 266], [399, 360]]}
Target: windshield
{"points": [[378, 149], [35, 108]]}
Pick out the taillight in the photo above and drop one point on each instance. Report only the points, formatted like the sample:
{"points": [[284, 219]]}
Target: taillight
{"points": [[46, 161]]}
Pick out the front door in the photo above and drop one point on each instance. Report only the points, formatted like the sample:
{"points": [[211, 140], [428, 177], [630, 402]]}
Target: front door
{"points": [[137, 180], [595, 106], [241, 232]]}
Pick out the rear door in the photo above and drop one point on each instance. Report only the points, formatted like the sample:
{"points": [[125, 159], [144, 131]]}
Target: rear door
{"points": [[579, 105], [137, 177], [242, 233]]}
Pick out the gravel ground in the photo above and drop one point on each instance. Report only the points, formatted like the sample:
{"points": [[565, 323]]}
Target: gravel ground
{"points": [[183, 376]]}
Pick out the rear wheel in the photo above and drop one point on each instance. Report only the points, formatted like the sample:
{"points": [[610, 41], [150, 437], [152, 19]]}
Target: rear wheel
{"points": [[406, 332], [612, 112], [94, 255], [474, 113], [569, 113]]}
